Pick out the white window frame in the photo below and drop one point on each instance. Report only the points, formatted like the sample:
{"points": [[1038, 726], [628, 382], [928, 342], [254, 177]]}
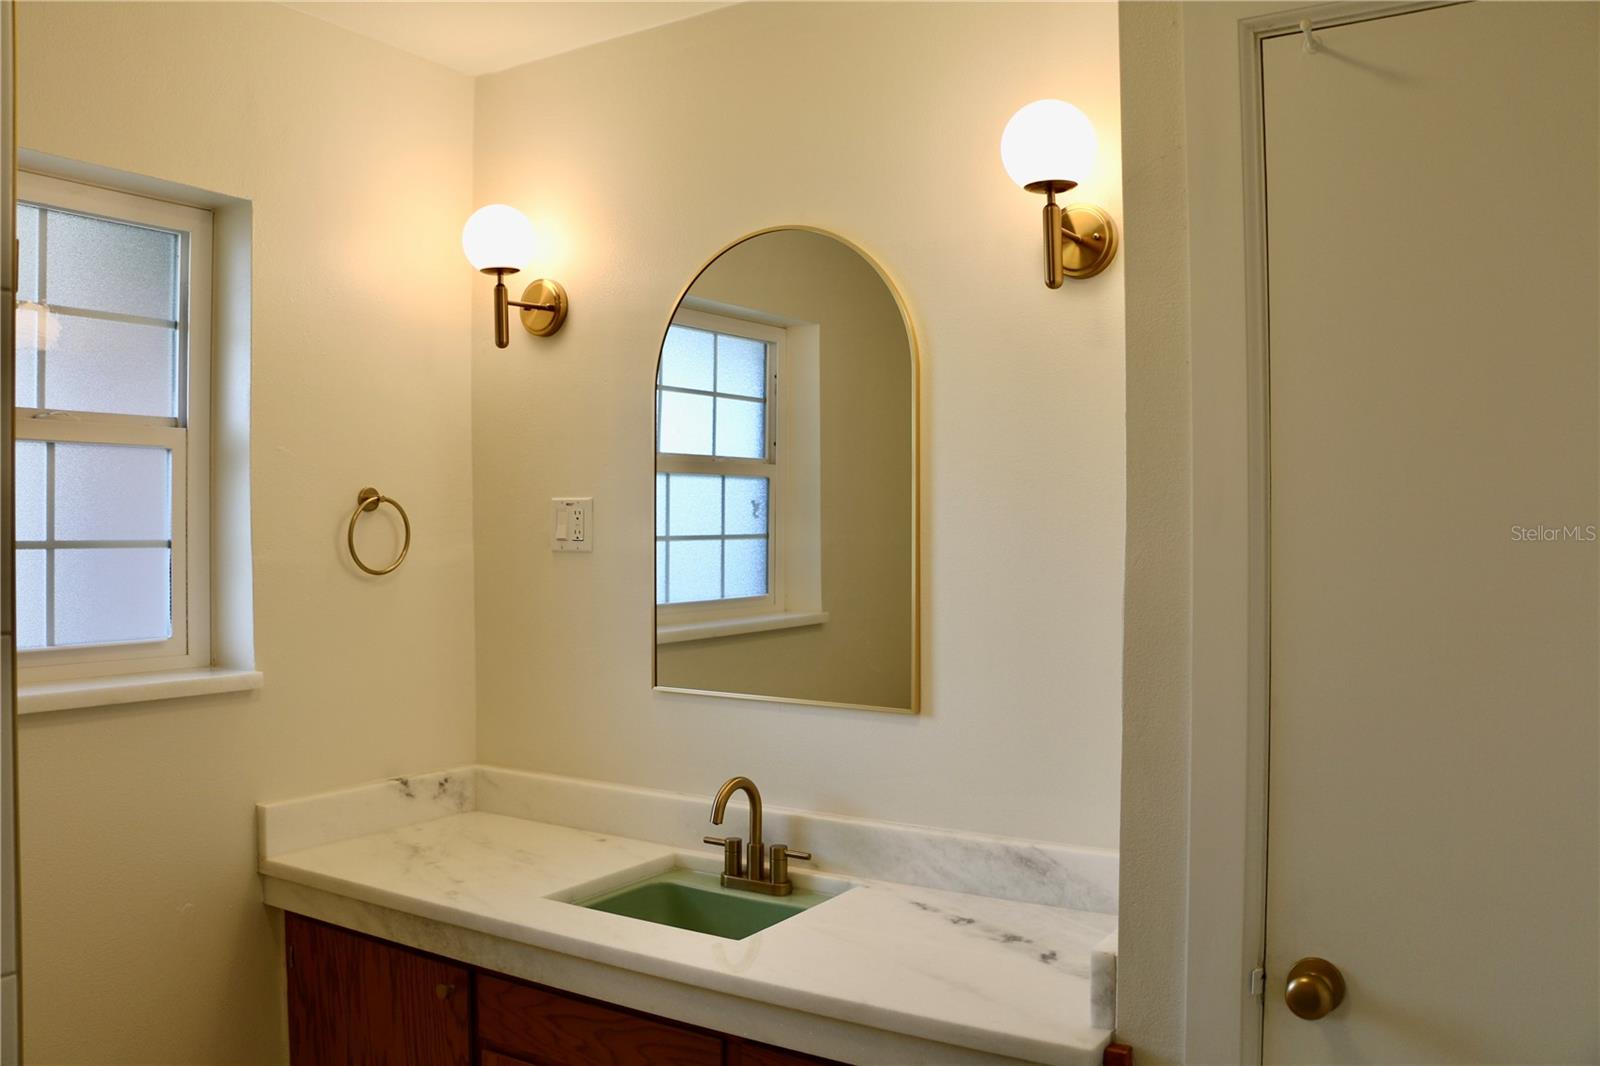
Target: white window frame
{"points": [[187, 436], [770, 467]]}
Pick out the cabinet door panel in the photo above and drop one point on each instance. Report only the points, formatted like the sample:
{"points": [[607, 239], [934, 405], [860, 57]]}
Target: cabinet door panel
{"points": [[355, 1001], [557, 1030]]}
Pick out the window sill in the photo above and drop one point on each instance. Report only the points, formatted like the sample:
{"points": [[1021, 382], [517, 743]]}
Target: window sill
{"points": [[728, 627], [42, 696]]}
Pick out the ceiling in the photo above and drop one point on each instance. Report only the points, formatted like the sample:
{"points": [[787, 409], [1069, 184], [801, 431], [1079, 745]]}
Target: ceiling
{"points": [[475, 38]]}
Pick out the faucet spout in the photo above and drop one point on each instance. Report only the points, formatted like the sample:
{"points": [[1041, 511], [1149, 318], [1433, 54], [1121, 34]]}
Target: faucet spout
{"points": [[719, 808]]}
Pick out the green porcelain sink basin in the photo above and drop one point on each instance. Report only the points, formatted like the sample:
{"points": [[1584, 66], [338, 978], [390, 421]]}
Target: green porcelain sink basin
{"points": [[697, 901]]}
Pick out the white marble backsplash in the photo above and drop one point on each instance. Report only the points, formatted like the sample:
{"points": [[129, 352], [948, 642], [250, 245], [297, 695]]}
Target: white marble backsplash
{"points": [[1026, 871], [1005, 868], [310, 821]]}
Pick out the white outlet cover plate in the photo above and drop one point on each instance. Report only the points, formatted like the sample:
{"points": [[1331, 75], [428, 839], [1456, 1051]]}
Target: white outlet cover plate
{"points": [[572, 524]]}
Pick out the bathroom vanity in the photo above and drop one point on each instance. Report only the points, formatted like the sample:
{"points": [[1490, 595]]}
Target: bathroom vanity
{"points": [[468, 910], [354, 998]]}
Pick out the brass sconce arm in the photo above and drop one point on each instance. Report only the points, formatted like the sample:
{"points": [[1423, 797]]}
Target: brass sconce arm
{"points": [[543, 306], [1079, 241]]}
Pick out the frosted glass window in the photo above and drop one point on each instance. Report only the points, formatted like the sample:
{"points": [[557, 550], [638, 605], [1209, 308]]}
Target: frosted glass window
{"points": [[32, 489], [694, 570], [688, 359], [746, 507], [745, 568], [741, 428], [31, 610], [126, 368], [112, 492], [661, 505], [95, 522], [32, 322], [694, 505], [94, 264], [28, 252], [711, 394], [715, 546], [685, 423], [741, 366], [111, 595], [124, 364]]}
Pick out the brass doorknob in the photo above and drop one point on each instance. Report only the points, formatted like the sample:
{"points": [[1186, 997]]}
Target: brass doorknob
{"points": [[1315, 988]]}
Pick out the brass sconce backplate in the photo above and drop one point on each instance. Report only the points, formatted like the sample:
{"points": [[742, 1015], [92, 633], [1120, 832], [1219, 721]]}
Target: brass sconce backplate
{"points": [[548, 293], [1096, 243]]}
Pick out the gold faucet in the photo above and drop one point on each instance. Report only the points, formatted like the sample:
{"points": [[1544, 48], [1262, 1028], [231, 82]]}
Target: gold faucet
{"points": [[760, 875]]}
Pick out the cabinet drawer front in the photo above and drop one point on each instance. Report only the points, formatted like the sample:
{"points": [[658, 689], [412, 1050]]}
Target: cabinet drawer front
{"points": [[557, 1030]]}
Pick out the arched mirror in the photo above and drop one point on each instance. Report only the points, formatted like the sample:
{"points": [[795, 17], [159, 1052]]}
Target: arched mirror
{"points": [[786, 480]]}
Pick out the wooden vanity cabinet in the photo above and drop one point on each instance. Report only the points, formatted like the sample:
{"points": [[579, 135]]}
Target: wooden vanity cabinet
{"points": [[355, 1000]]}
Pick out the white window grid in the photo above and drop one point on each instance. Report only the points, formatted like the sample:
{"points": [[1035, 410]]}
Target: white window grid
{"points": [[185, 436]]}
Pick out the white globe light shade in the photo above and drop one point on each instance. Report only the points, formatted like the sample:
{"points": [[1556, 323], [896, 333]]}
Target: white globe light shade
{"points": [[498, 237], [1048, 140]]}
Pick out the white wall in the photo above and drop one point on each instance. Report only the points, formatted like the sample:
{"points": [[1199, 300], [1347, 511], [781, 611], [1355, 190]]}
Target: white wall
{"points": [[145, 936], [1155, 732], [1187, 933], [642, 156]]}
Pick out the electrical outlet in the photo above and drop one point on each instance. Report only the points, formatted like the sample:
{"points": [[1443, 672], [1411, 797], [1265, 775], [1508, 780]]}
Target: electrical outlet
{"points": [[572, 524]]}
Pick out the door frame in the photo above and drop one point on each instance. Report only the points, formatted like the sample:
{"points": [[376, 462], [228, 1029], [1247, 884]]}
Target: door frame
{"points": [[1230, 671]]}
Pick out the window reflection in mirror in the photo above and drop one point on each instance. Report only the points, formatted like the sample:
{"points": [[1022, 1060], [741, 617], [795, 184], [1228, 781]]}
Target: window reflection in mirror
{"points": [[785, 509]]}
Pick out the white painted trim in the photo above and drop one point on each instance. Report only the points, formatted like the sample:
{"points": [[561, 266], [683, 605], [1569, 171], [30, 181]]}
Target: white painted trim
{"points": [[759, 623], [1230, 669], [43, 696]]}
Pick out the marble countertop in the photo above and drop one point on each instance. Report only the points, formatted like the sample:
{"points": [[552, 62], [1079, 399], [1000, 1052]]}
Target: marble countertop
{"points": [[998, 976]]}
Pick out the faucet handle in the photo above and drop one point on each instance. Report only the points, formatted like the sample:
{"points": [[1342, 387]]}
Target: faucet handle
{"points": [[780, 862], [732, 861]]}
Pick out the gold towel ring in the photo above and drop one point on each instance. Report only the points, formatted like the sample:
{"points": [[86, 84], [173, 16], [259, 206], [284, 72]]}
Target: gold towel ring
{"points": [[368, 499]]}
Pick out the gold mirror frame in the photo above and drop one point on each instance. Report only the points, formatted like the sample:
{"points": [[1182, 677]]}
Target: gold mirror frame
{"points": [[916, 481]]}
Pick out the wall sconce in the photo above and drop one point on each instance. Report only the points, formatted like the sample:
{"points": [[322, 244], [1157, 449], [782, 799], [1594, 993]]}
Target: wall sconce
{"points": [[1049, 146], [498, 240]]}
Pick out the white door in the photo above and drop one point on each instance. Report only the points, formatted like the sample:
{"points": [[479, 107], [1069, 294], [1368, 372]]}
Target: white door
{"points": [[1433, 206]]}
